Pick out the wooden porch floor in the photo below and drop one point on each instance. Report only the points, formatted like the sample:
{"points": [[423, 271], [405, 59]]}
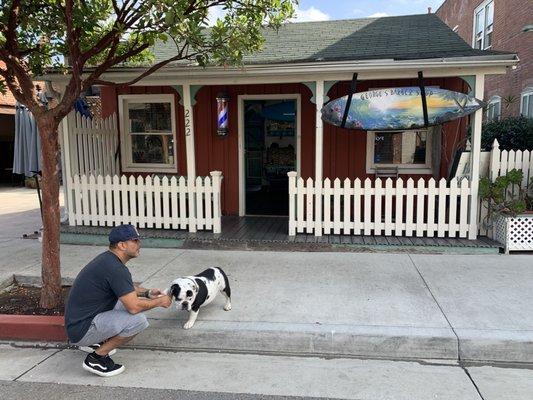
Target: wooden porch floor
{"points": [[275, 230]]}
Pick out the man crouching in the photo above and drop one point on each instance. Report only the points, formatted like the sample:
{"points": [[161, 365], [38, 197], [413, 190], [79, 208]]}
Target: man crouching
{"points": [[104, 308]]}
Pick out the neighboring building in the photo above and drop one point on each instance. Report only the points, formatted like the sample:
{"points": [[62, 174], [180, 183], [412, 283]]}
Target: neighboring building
{"points": [[499, 25], [167, 128]]}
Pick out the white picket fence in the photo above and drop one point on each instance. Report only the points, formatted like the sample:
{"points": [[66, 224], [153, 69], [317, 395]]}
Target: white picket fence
{"points": [[371, 207], [150, 202], [502, 161], [93, 145]]}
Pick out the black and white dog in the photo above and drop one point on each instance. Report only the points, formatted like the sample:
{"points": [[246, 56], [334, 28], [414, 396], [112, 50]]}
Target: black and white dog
{"points": [[191, 292]]}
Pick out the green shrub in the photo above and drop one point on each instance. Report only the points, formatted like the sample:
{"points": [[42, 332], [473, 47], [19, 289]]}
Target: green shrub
{"points": [[505, 196], [512, 133]]}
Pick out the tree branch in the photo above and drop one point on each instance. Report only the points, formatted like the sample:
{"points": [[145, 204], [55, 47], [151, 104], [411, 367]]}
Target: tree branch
{"points": [[19, 89], [149, 71], [10, 33]]}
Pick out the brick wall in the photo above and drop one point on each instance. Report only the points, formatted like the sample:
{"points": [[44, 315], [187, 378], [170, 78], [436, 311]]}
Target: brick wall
{"points": [[510, 16], [6, 99]]}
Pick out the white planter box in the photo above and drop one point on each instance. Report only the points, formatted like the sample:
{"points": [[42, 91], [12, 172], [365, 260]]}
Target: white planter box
{"points": [[515, 233]]}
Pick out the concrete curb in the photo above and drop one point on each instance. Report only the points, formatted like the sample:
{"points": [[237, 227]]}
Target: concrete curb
{"points": [[496, 345], [394, 342], [302, 339]]}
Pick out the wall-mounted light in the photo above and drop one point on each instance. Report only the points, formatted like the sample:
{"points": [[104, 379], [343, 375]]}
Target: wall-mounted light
{"points": [[222, 113]]}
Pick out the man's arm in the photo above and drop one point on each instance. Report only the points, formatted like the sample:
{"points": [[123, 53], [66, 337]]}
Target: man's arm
{"points": [[148, 293], [142, 292], [135, 304]]}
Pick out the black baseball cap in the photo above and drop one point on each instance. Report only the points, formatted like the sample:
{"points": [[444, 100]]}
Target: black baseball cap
{"points": [[123, 233]]}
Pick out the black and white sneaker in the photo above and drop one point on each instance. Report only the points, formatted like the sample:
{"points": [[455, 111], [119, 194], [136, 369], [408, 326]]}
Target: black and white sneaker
{"points": [[102, 365], [94, 347]]}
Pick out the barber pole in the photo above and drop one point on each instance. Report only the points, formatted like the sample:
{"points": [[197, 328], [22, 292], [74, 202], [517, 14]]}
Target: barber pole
{"points": [[222, 113]]}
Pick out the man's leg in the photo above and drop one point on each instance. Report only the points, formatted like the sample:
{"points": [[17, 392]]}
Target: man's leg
{"points": [[127, 326], [113, 329], [113, 343]]}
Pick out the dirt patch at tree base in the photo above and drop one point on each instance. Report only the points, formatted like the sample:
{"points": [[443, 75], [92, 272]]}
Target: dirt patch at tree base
{"points": [[24, 300]]}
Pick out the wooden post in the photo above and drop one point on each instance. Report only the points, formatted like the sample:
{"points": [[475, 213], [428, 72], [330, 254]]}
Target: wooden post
{"points": [[292, 202], [494, 160], [474, 160], [66, 168], [319, 150], [217, 212], [191, 159]]}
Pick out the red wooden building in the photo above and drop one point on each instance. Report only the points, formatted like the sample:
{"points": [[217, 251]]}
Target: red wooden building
{"points": [[167, 125]]}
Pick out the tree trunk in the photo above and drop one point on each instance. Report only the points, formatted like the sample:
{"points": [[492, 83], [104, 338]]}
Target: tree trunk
{"points": [[51, 275]]}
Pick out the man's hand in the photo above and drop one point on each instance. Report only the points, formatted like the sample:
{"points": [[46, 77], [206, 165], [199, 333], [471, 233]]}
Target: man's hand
{"points": [[135, 304], [154, 293], [165, 300]]}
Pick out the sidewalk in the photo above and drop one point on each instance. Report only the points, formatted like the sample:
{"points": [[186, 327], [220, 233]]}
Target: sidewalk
{"points": [[394, 306], [31, 373]]}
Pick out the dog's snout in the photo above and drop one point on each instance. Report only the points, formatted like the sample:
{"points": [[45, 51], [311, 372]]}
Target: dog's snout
{"points": [[184, 304]]}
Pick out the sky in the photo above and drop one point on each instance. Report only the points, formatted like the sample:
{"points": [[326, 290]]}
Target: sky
{"points": [[321, 10]]}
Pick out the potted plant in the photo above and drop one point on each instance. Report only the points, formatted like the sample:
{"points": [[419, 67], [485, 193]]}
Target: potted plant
{"points": [[509, 210]]}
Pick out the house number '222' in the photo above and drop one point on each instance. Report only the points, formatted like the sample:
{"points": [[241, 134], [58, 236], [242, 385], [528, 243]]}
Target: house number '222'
{"points": [[187, 122]]}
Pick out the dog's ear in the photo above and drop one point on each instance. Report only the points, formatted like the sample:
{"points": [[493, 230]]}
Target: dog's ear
{"points": [[174, 291]]}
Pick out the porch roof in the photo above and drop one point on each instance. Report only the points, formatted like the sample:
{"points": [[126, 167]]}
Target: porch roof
{"points": [[409, 37]]}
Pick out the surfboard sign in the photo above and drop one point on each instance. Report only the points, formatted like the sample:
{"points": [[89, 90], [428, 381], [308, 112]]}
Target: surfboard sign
{"points": [[399, 108]]}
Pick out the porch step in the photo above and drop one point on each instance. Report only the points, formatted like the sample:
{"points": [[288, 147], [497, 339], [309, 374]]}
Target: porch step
{"points": [[301, 339]]}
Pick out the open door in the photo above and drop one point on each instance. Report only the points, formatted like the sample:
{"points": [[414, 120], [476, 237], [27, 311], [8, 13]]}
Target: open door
{"points": [[269, 153]]}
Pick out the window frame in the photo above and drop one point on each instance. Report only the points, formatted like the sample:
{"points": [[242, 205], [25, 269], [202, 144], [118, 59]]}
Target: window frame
{"points": [[125, 136], [489, 115], [526, 93], [421, 169], [486, 30]]}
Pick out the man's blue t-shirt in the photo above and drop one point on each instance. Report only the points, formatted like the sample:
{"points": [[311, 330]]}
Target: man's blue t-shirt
{"points": [[96, 289]]}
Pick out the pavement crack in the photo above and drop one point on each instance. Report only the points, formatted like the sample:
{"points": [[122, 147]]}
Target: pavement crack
{"points": [[438, 305], [39, 363], [459, 360], [164, 266], [467, 372]]}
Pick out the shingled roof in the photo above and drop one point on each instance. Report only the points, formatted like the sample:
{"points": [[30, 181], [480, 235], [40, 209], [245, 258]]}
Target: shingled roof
{"points": [[408, 37]]}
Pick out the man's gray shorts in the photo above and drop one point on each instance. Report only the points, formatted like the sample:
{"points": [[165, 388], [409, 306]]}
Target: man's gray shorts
{"points": [[116, 322]]}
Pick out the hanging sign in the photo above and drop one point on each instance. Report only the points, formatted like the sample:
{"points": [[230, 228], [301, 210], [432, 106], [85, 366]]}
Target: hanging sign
{"points": [[399, 108]]}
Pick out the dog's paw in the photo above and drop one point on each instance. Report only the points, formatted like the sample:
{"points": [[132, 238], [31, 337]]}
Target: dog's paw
{"points": [[227, 307], [188, 325]]}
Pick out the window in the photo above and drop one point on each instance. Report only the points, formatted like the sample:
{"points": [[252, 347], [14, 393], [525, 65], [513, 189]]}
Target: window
{"points": [[147, 133], [494, 108], [483, 21], [526, 103], [409, 150]]}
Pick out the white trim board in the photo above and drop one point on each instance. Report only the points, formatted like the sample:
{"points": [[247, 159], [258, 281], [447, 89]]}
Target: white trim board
{"points": [[241, 99], [306, 72]]}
